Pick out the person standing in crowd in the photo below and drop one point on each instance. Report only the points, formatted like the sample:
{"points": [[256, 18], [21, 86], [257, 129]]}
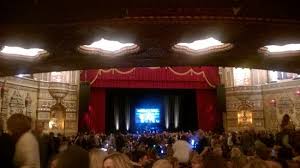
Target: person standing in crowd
{"points": [[73, 157], [182, 150], [27, 148], [202, 141], [96, 158], [6, 148], [43, 141]]}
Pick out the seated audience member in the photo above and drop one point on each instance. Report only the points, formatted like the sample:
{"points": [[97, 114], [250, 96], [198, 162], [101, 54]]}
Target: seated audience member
{"points": [[211, 160], [73, 157], [163, 163], [117, 160], [53, 161], [141, 158], [27, 147], [257, 163], [197, 161], [237, 159], [262, 150], [96, 158], [6, 148], [182, 150]]}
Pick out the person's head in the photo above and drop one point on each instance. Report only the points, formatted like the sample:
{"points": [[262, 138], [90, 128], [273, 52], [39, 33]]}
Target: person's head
{"points": [[142, 157], [39, 128], [18, 124], [237, 158], [162, 163], [211, 160], [117, 160], [201, 133], [262, 150], [256, 163], [96, 158], [74, 157], [285, 121], [197, 161], [53, 162], [235, 152], [218, 151], [184, 138]]}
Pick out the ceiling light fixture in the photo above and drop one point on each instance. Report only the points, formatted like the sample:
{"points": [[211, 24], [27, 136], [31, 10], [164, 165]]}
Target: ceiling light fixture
{"points": [[278, 50], [19, 52], [200, 47], [107, 47]]}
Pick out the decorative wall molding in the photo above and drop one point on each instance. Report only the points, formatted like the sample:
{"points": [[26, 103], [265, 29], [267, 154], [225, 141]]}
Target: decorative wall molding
{"points": [[266, 115], [32, 98]]}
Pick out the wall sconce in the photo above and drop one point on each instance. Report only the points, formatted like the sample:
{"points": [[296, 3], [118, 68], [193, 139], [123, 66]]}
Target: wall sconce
{"points": [[298, 92], [244, 118], [273, 102]]}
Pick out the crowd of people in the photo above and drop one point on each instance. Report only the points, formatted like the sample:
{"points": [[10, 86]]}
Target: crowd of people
{"points": [[25, 147]]}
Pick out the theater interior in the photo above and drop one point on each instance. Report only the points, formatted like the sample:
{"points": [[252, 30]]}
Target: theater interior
{"points": [[96, 65]]}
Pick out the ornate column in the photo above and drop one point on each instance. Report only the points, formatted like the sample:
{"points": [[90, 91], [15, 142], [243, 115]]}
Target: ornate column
{"points": [[58, 111], [4, 103]]}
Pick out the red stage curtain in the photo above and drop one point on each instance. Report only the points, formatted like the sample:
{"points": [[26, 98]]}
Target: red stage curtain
{"points": [[94, 119], [163, 78], [208, 117]]}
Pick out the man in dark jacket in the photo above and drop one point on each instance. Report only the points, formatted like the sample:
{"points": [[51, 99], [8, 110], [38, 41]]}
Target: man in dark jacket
{"points": [[7, 148]]}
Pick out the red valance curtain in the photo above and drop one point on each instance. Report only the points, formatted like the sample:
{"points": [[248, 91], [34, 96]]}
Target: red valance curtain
{"points": [[155, 77]]}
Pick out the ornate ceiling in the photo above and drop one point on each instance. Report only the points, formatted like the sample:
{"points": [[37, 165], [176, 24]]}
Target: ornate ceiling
{"points": [[60, 27]]}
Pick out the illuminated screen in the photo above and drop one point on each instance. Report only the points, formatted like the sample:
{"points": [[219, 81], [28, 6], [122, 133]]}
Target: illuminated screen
{"points": [[147, 115]]}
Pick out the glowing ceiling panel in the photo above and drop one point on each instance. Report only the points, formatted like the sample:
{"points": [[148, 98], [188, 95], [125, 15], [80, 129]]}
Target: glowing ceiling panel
{"points": [[281, 50], [12, 51], [204, 46], [108, 47]]}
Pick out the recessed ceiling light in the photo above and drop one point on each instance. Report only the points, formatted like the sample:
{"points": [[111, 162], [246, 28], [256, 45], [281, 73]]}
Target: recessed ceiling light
{"points": [[202, 46], [107, 47], [283, 48], [280, 49], [11, 51]]}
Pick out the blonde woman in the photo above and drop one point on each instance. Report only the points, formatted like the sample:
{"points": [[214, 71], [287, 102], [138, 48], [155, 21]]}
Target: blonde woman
{"points": [[97, 158], [162, 163], [117, 160]]}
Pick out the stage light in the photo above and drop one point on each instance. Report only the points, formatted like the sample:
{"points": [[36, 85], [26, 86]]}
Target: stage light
{"points": [[202, 46], [13, 51], [108, 47], [127, 125], [117, 125]]}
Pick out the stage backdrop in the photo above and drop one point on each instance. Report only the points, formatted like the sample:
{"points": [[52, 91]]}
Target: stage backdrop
{"points": [[203, 79]]}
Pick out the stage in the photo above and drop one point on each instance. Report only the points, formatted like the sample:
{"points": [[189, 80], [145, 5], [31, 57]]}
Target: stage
{"points": [[185, 98], [170, 109]]}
